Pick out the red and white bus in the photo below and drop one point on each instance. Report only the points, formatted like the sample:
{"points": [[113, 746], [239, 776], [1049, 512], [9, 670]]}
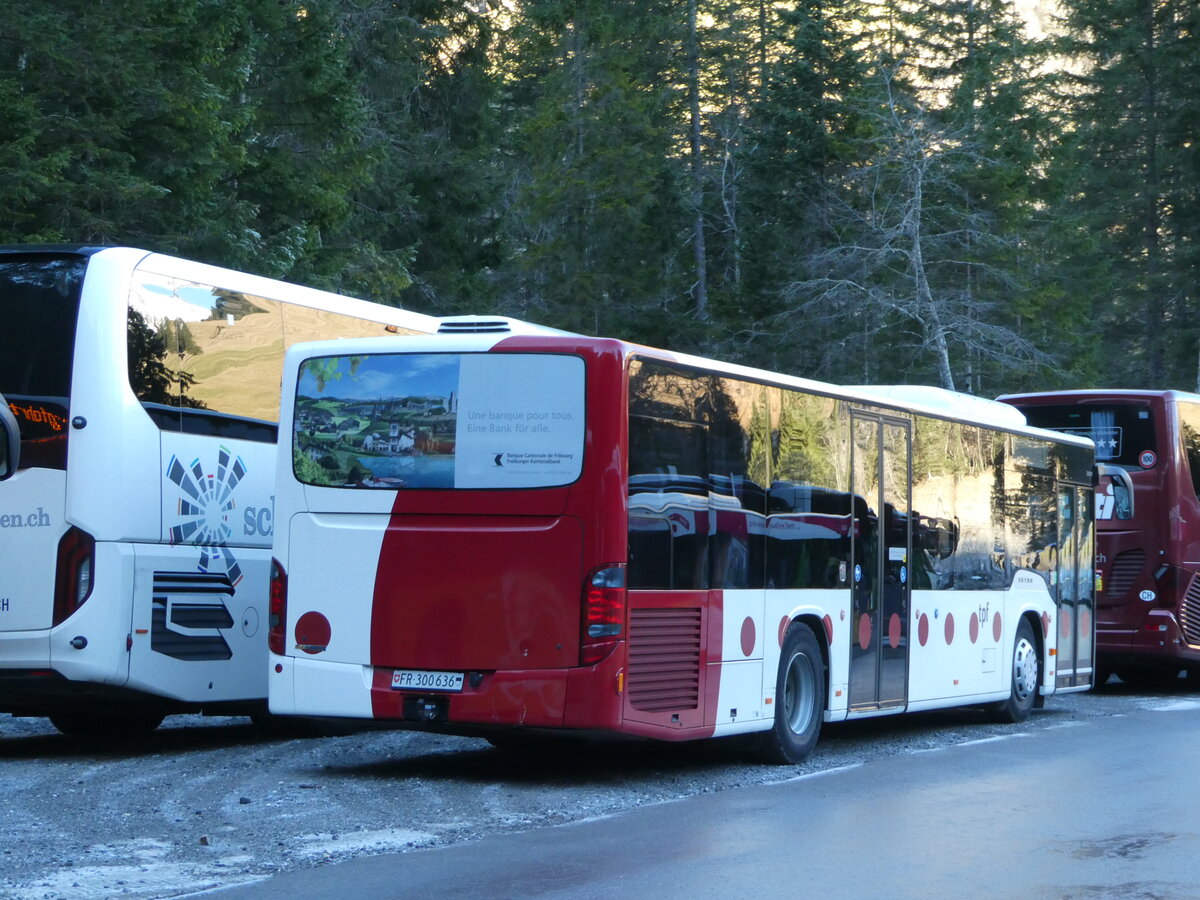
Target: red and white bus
{"points": [[139, 396], [500, 534], [1147, 522]]}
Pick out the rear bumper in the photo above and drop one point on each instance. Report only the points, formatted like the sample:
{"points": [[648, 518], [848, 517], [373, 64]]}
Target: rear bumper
{"points": [[1159, 641], [573, 698]]}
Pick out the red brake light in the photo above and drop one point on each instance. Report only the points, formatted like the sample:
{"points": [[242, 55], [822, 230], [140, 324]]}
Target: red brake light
{"points": [[75, 572], [277, 609], [603, 613]]}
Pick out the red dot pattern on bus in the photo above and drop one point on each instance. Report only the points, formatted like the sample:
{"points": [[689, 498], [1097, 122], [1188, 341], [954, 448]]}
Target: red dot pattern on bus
{"points": [[997, 627], [864, 631], [949, 628], [923, 629], [894, 631], [748, 636], [313, 632], [828, 628], [974, 627]]}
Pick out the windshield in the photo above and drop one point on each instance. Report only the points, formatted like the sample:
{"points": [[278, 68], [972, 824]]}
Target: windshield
{"points": [[439, 420], [1123, 433], [39, 295]]}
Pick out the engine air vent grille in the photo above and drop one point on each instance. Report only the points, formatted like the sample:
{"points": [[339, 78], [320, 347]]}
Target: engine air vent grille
{"points": [[664, 659], [1124, 572]]}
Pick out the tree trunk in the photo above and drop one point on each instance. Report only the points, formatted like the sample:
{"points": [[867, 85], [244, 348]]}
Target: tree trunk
{"points": [[698, 249]]}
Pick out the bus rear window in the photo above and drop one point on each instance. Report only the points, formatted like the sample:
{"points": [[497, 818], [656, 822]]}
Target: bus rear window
{"points": [[1122, 432], [40, 296], [439, 421]]}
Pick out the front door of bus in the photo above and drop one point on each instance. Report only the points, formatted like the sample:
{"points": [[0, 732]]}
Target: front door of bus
{"points": [[1074, 578], [880, 556]]}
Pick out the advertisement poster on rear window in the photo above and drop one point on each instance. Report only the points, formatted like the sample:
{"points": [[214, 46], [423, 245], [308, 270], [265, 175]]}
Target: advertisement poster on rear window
{"points": [[439, 420]]}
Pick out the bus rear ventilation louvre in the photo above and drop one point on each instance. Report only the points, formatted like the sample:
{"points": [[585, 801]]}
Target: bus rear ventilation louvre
{"points": [[1125, 570], [664, 659]]}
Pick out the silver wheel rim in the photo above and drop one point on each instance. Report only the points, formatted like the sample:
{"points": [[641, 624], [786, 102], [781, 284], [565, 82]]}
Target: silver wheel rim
{"points": [[799, 686], [1025, 669]]}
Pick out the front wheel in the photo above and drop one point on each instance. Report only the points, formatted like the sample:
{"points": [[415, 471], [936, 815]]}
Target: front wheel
{"points": [[799, 699], [1026, 675]]}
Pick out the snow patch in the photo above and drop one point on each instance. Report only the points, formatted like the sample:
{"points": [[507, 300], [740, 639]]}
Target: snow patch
{"points": [[384, 840], [1172, 705], [101, 882]]}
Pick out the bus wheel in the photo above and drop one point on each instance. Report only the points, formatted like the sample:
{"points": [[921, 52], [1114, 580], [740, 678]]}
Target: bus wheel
{"points": [[1026, 676], [799, 699], [107, 727]]}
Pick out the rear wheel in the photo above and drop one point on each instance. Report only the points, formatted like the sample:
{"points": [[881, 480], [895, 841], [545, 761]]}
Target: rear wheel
{"points": [[799, 699], [1026, 675]]}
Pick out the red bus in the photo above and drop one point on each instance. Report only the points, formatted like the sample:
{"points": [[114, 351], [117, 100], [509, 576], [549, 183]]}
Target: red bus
{"points": [[1148, 523], [603, 538]]}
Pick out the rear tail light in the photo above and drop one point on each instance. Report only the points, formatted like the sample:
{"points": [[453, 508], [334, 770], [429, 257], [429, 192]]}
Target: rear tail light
{"points": [[603, 613], [277, 609], [75, 572]]}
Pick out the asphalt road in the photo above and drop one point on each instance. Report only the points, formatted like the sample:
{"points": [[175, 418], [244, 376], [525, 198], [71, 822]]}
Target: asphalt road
{"points": [[208, 804], [1101, 807]]}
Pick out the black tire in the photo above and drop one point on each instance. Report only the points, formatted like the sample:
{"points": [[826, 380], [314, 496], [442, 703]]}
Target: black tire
{"points": [[107, 727], [1026, 676], [799, 699]]}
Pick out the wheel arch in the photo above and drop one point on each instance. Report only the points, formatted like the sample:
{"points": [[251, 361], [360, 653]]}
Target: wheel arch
{"points": [[814, 624], [1039, 639]]}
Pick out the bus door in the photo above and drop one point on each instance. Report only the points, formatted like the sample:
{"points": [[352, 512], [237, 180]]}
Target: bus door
{"points": [[880, 555], [1075, 583]]}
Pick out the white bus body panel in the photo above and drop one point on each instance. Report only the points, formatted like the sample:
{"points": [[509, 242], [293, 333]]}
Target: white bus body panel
{"points": [[32, 520], [118, 487]]}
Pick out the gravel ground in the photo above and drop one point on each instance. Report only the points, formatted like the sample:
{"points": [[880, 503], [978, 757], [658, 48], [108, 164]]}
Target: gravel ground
{"points": [[207, 802]]}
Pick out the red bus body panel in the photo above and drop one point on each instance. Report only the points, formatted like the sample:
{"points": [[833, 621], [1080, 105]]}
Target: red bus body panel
{"points": [[511, 613]]}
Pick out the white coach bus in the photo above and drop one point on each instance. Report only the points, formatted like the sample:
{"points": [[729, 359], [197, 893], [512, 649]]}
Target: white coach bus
{"points": [[140, 394]]}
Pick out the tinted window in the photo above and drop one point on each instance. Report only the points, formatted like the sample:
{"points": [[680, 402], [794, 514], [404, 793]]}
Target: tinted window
{"points": [[808, 524], [958, 501], [40, 298], [1189, 427], [1121, 431], [668, 504]]}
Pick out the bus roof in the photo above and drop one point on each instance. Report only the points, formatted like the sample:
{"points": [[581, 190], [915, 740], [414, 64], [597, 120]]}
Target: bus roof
{"points": [[1098, 395]]}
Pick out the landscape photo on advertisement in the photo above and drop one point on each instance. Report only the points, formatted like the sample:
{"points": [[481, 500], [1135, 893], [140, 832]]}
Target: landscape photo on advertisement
{"points": [[385, 421]]}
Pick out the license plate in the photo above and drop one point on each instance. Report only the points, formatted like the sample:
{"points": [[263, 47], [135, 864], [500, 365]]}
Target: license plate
{"points": [[416, 680]]}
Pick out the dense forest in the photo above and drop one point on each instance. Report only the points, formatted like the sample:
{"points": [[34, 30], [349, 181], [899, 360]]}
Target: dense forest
{"points": [[863, 192]]}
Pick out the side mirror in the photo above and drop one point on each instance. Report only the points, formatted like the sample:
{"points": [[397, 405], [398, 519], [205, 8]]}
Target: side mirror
{"points": [[10, 440], [1122, 488]]}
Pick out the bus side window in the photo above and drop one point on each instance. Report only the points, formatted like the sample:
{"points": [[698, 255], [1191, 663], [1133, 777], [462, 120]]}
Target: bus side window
{"points": [[739, 452], [1189, 416], [669, 520]]}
